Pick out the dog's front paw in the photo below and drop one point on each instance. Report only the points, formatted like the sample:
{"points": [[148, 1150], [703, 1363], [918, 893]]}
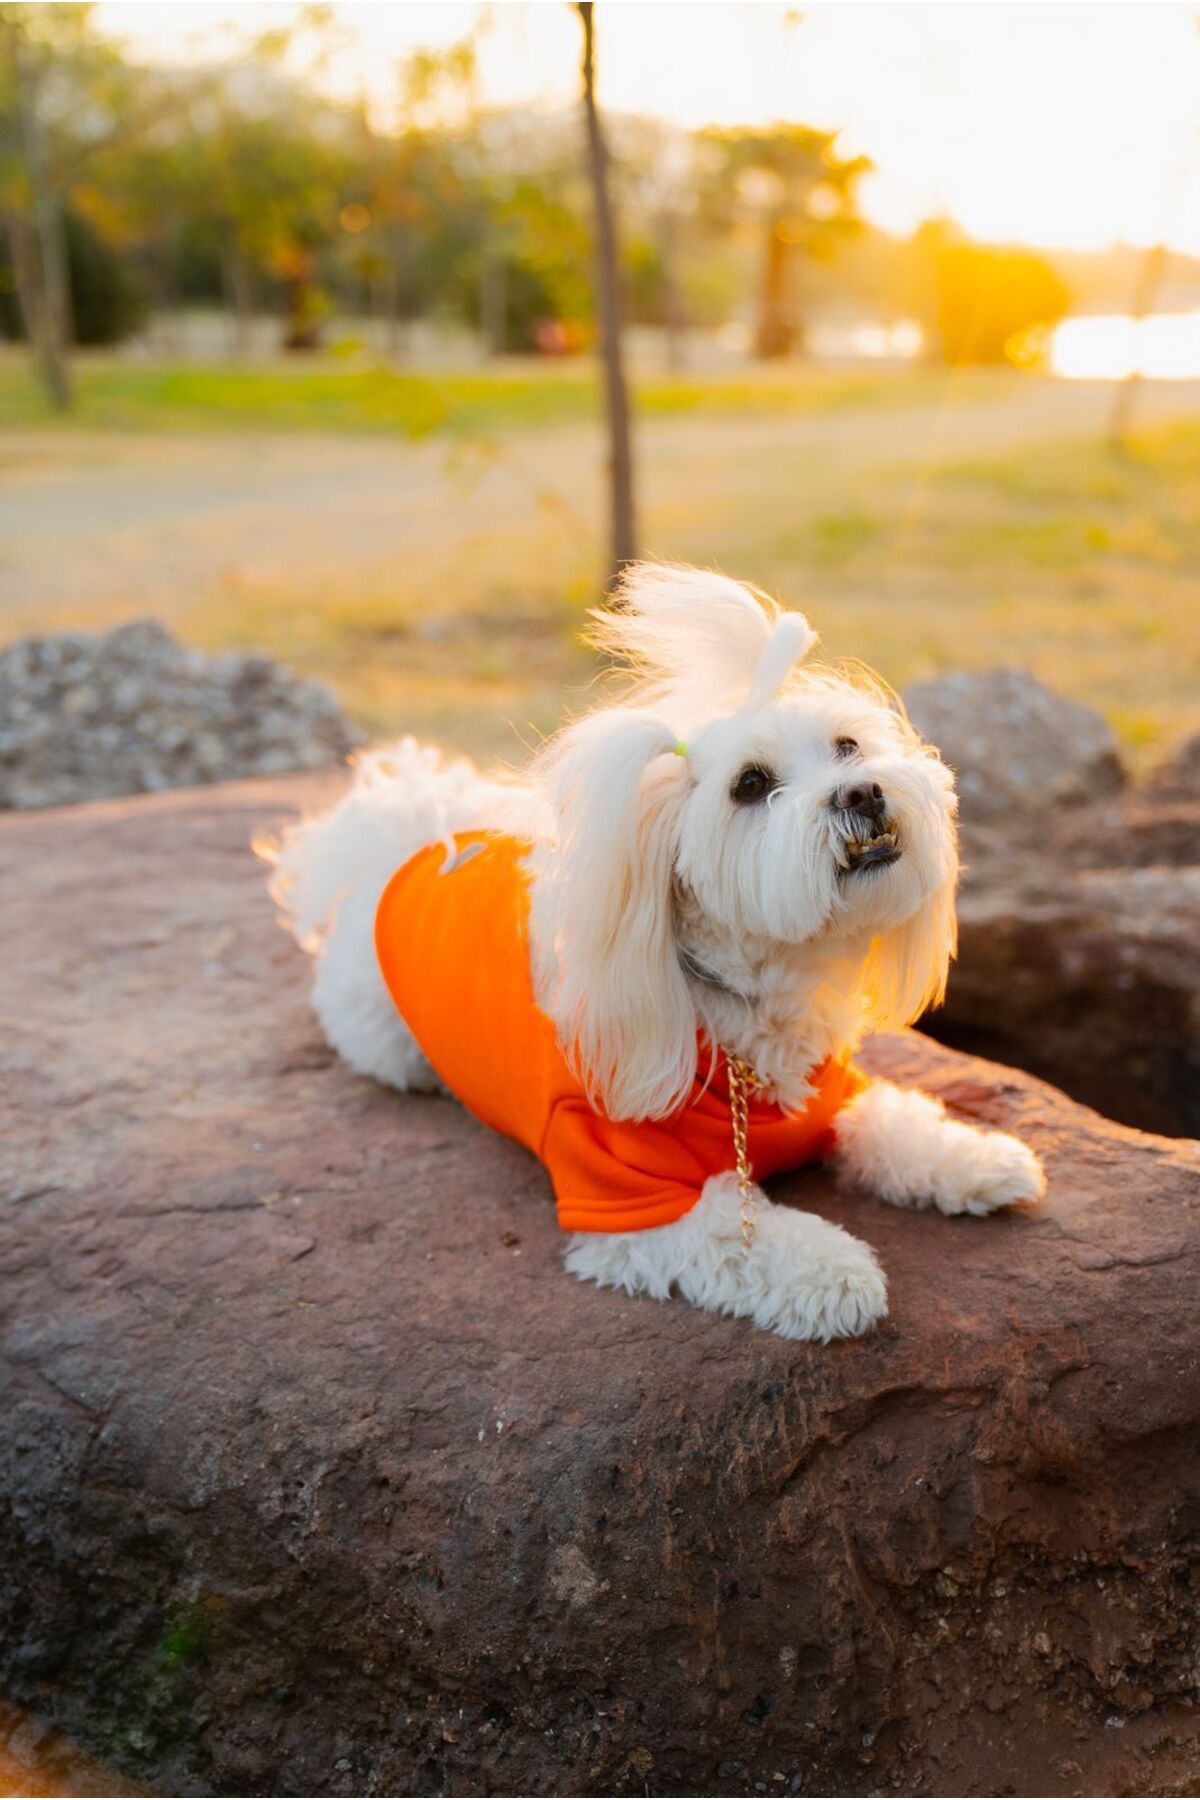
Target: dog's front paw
{"points": [[805, 1278], [802, 1277], [1001, 1171]]}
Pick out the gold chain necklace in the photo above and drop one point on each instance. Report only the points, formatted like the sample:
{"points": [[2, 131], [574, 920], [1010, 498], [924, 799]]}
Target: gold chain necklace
{"points": [[742, 1083]]}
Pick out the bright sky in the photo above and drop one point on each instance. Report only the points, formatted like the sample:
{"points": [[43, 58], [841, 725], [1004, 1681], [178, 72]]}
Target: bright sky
{"points": [[1073, 124]]}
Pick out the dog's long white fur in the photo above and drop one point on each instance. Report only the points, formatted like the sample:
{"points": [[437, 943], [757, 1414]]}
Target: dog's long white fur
{"points": [[642, 871]]}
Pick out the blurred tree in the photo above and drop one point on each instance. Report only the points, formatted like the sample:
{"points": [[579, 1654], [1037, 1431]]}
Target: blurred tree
{"points": [[538, 237], [266, 166], [233, 173], [138, 196], [414, 214], [986, 304], [107, 301], [792, 186], [67, 101], [35, 44], [624, 535], [657, 200]]}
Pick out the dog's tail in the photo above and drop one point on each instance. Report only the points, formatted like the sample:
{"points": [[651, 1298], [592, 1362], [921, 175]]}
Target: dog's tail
{"points": [[403, 796]]}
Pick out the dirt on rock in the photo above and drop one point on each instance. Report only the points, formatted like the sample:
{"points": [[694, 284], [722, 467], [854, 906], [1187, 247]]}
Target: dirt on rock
{"points": [[319, 1476]]}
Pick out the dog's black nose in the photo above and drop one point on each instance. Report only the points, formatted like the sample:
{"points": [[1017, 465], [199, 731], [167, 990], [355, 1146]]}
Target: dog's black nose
{"points": [[865, 797]]}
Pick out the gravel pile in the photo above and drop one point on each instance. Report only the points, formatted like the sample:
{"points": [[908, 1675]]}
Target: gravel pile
{"points": [[84, 717]]}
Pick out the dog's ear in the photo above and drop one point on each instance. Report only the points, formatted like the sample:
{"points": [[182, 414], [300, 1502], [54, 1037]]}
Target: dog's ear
{"points": [[606, 963], [686, 631]]}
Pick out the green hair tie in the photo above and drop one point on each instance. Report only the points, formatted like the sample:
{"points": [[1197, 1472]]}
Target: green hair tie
{"points": [[681, 749]]}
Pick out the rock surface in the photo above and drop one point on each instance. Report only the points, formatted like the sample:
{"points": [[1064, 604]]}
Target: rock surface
{"points": [[83, 717], [1080, 927], [38, 1765], [1179, 777], [1015, 745], [1079, 914], [1087, 976], [317, 1474]]}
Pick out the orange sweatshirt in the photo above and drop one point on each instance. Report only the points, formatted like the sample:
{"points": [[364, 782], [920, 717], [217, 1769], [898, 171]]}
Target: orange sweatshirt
{"points": [[453, 946]]}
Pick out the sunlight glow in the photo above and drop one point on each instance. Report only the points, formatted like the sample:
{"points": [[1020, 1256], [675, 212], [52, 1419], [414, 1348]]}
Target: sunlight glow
{"points": [[1074, 125], [1164, 347]]}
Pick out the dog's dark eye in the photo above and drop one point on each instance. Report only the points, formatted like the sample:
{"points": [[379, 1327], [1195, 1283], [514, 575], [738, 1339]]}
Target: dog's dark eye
{"points": [[754, 783], [844, 747]]}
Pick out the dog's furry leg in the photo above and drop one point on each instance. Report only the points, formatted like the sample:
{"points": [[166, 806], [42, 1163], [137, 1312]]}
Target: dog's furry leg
{"points": [[357, 1014], [900, 1145], [803, 1278]]}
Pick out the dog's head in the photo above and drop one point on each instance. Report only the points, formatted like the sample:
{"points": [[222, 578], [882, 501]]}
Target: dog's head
{"points": [[784, 806]]}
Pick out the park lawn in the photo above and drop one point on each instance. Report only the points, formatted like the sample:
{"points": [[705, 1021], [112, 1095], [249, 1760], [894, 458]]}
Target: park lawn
{"points": [[1060, 559], [114, 395], [1054, 555]]}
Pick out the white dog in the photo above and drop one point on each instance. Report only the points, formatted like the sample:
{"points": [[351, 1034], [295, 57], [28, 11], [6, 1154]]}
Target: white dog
{"points": [[715, 888]]}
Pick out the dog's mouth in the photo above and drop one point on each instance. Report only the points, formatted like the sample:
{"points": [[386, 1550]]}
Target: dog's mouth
{"points": [[875, 851]]}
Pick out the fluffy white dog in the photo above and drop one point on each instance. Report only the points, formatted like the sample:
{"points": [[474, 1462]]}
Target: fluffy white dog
{"points": [[727, 878]]}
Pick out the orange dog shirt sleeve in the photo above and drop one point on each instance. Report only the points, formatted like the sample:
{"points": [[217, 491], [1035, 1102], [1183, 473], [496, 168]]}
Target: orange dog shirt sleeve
{"points": [[611, 1175], [616, 1176]]}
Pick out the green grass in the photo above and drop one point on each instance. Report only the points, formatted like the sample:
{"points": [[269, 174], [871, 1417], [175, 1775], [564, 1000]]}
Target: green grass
{"points": [[118, 396], [1063, 558], [460, 618], [959, 567], [1073, 512]]}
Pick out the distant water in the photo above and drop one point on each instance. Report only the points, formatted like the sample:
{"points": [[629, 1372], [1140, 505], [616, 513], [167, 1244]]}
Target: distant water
{"points": [[1108, 347], [1093, 347]]}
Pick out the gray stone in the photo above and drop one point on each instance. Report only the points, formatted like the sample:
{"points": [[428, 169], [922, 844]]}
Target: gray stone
{"points": [[86, 717], [1015, 746]]}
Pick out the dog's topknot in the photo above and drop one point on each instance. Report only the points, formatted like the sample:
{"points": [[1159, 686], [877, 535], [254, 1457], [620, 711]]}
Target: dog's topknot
{"points": [[694, 638]]}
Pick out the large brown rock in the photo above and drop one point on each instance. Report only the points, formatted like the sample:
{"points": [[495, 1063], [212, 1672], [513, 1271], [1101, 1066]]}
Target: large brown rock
{"points": [[1178, 778], [1079, 953], [317, 1475], [1079, 915], [1087, 976]]}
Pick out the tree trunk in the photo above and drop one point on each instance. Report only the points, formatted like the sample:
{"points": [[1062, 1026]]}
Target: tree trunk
{"points": [[776, 334], [393, 296], [301, 310], [236, 281], [624, 537], [25, 275], [674, 321], [493, 306], [39, 254], [1150, 277]]}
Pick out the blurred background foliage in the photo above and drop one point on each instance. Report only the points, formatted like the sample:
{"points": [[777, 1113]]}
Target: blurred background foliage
{"points": [[240, 186]]}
